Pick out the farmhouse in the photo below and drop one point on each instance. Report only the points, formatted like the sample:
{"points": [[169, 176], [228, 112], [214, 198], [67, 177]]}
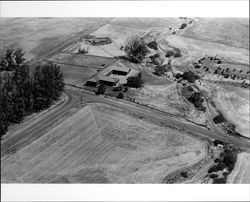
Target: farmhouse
{"points": [[99, 79], [112, 75], [94, 81]]}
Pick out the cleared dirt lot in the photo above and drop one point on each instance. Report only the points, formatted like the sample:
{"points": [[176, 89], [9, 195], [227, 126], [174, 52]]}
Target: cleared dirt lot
{"points": [[102, 145], [241, 172]]}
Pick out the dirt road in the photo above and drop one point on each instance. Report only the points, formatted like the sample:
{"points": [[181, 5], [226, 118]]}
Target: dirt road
{"points": [[37, 128]]}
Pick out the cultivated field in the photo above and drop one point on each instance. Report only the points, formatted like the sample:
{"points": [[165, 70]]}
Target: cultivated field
{"points": [[241, 172], [101, 145]]}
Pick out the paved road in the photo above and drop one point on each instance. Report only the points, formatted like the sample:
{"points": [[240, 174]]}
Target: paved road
{"points": [[160, 117], [32, 130], [37, 128]]}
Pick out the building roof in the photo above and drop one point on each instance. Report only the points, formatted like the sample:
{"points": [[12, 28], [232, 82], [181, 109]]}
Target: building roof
{"points": [[93, 79], [108, 79]]}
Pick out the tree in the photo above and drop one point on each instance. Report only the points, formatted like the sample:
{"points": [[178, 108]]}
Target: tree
{"points": [[120, 96], [21, 92], [153, 45], [135, 81], [136, 49], [190, 76], [160, 70], [101, 89]]}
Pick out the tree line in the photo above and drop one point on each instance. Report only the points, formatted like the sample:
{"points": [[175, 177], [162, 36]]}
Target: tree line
{"points": [[26, 88]]}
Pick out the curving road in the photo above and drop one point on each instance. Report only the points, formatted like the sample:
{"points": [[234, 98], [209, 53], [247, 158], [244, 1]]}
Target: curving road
{"points": [[38, 127]]}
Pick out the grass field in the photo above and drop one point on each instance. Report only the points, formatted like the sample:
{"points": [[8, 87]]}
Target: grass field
{"points": [[241, 172], [101, 145], [38, 36], [76, 75], [229, 31], [82, 60]]}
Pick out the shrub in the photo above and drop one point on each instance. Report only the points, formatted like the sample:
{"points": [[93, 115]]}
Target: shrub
{"points": [[213, 175], [153, 45], [219, 119], [160, 70], [197, 101], [101, 89], [135, 82], [219, 181], [184, 174], [120, 96], [177, 53], [178, 75], [183, 25], [117, 88], [169, 53], [190, 76]]}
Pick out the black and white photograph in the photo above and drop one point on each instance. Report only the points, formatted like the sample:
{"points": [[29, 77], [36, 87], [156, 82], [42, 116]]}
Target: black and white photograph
{"points": [[125, 100]]}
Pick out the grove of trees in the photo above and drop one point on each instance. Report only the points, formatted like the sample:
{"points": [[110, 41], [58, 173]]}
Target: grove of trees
{"points": [[136, 49], [26, 88]]}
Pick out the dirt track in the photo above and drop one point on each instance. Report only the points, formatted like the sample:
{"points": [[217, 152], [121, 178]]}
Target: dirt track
{"points": [[26, 135]]}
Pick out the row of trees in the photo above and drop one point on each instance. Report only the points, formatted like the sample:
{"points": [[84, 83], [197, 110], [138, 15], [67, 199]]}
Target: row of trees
{"points": [[25, 89]]}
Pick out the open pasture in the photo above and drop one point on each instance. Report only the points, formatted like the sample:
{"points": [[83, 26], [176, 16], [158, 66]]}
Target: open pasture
{"points": [[118, 34], [107, 50], [75, 75], [229, 31], [241, 172], [99, 144], [38, 36]]}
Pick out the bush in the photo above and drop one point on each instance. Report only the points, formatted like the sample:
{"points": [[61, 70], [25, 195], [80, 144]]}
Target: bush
{"points": [[184, 174], [120, 96], [117, 88], [219, 119], [183, 25], [190, 76], [101, 89], [153, 45], [197, 100], [160, 70], [135, 82], [169, 53], [178, 75], [213, 175], [136, 49], [219, 181]]}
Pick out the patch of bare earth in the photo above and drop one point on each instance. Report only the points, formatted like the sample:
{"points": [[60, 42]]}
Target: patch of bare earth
{"points": [[101, 145]]}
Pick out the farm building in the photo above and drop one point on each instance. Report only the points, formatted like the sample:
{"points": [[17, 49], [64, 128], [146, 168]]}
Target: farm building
{"points": [[99, 40], [94, 81], [112, 75]]}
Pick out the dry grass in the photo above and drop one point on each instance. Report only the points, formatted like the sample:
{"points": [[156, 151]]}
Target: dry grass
{"points": [[100, 145], [241, 172], [38, 36], [167, 98], [82, 60], [229, 31]]}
